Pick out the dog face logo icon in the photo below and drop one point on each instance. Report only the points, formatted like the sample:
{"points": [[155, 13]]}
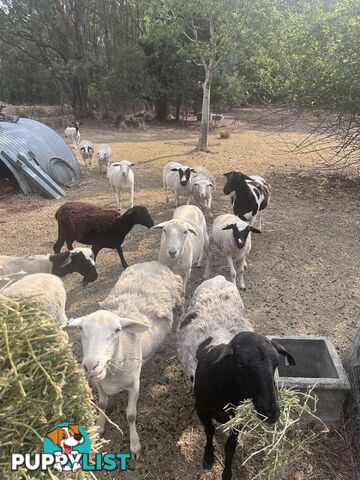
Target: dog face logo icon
{"points": [[64, 440]]}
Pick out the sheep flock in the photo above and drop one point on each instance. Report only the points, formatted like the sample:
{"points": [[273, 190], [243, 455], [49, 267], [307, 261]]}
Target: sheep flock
{"points": [[223, 359]]}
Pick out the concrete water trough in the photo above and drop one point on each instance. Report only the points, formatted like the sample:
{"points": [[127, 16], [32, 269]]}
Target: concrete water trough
{"points": [[318, 366]]}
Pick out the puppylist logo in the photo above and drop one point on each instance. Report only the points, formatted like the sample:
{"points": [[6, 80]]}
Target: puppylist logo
{"points": [[67, 448]]}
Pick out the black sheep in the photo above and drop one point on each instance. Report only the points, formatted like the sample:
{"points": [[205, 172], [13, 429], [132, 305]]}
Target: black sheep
{"points": [[96, 226]]}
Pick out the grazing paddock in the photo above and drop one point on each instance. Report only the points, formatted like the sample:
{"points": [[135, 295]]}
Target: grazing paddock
{"points": [[303, 277]]}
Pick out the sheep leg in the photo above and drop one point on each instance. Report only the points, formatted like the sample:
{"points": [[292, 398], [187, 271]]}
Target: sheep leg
{"points": [[230, 447], [69, 244], [117, 199], [232, 268], [122, 258], [189, 200], [96, 249], [135, 447], [166, 196], [103, 401], [241, 272], [59, 242], [209, 205], [131, 197], [208, 458], [176, 198]]}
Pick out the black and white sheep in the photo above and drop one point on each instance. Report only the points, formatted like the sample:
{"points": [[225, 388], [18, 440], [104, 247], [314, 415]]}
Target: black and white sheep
{"points": [[73, 133], [176, 178], [252, 195], [79, 260], [96, 226], [233, 238], [202, 184], [121, 179], [86, 149], [117, 340], [226, 361]]}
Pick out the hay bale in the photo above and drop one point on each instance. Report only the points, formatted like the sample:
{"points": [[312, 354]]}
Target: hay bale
{"points": [[40, 384], [269, 451]]}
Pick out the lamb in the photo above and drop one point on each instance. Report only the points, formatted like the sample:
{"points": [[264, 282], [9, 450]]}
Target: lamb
{"points": [[233, 237], [87, 151], [80, 260], [176, 178], [226, 361], [118, 339], [73, 133], [96, 226], [252, 195], [202, 183], [184, 241], [103, 157], [44, 288], [121, 178]]}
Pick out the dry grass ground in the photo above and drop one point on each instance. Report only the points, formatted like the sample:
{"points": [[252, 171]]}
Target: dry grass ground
{"points": [[303, 277]]}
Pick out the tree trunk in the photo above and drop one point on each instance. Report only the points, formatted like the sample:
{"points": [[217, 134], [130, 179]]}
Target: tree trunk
{"points": [[205, 112], [161, 108]]}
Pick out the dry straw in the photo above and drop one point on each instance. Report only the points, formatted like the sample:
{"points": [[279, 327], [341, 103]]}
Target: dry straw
{"points": [[40, 385], [269, 451]]}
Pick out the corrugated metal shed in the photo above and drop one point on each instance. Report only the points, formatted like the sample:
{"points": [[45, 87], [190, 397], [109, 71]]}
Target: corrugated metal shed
{"points": [[40, 145]]}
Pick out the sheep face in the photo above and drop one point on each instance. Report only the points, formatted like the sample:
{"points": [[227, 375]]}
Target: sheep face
{"points": [[80, 260], [101, 334], [174, 235], [87, 152], [76, 125], [240, 236], [202, 187], [232, 181], [138, 216], [124, 166], [184, 174], [253, 359]]}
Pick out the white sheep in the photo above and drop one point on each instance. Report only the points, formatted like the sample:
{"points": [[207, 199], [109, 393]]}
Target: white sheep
{"points": [[202, 184], [103, 157], [216, 310], [121, 179], [117, 340], [176, 179], [233, 237], [184, 241], [73, 133], [86, 149], [44, 288]]}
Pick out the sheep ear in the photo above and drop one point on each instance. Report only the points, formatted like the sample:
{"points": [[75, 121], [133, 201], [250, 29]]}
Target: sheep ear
{"points": [[226, 351], [226, 174], [159, 225], [192, 170], [72, 323], [67, 260], [254, 230], [132, 164], [131, 326], [191, 230], [229, 227], [174, 169], [289, 359], [211, 185]]}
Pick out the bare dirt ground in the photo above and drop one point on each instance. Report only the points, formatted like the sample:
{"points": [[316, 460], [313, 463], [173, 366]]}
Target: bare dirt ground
{"points": [[303, 278]]}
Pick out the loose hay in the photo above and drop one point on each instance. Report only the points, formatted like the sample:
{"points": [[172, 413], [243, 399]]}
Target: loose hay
{"points": [[269, 451], [40, 384]]}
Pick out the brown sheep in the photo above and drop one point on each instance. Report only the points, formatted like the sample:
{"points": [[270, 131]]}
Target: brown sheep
{"points": [[97, 226]]}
